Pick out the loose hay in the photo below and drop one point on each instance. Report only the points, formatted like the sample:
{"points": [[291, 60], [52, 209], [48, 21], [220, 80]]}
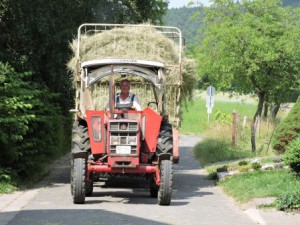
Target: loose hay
{"points": [[144, 43]]}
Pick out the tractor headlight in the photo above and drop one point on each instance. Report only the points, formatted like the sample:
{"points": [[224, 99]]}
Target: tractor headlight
{"points": [[132, 140], [96, 122], [114, 140]]}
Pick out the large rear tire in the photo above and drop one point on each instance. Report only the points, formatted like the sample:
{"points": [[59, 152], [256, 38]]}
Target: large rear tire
{"points": [[80, 136], [80, 143], [78, 180], [165, 139], [166, 179]]}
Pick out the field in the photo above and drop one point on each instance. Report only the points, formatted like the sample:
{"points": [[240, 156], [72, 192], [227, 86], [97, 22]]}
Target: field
{"points": [[195, 117]]}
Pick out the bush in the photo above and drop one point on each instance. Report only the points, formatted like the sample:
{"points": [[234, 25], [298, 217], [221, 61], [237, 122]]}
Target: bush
{"points": [[32, 128], [222, 169], [243, 163], [256, 166], [288, 201], [288, 130], [292, 155], [223, 117], [245, 168]]}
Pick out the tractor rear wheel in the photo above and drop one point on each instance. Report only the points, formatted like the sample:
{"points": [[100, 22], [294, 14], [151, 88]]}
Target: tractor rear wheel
{"points": [[166, 179], [165, 139], [78, 180]]}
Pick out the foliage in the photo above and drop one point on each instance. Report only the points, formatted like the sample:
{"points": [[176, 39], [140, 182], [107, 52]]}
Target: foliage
{"points": [[7, 184], [245, 168], [258, 184], [292, 155], [34, 106], [256, 166], [188, 22], [288, 201], [288, 130], [251, 48], [243, 163], [222, 117], [31, 124], [223, 168]]}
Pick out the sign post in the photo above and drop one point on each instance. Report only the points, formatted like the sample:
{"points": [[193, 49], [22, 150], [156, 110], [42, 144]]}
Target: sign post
{"points": [[210, 101]]}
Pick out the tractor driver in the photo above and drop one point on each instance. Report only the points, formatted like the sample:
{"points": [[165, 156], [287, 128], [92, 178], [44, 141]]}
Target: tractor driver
{"points": [[126, 99]]}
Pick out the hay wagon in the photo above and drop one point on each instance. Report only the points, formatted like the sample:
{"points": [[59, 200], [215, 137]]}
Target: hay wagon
{"points": [[123, 141]]}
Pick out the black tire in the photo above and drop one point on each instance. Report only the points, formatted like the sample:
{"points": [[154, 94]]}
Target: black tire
{"points": [[79, 180], [80, 142], [165, 139], [90, 185], [165, 188], [80, 136], [72, 175]]}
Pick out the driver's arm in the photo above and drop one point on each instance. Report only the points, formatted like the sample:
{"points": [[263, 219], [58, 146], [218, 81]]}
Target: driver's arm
{"points": [[136, 105]]}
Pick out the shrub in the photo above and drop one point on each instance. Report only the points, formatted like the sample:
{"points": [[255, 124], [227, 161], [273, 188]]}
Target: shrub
{"points": [[243, 163], [256, 166], [288, 130], [288, 201], [245, 168], [292, 155], [222, 169], [32, 127], [222, 117], [212, 176]]}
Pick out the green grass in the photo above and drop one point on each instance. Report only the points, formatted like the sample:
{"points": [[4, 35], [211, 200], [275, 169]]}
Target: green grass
{"points": [[195, 118], [246, 186], [6, 188], [216, 150]]}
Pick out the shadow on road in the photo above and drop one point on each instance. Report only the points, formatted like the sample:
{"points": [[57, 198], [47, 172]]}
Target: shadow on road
{"points": [[73, 217], [187, 182]]}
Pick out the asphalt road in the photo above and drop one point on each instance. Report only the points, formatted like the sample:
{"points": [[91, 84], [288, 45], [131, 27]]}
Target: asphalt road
{"points": [[195, 200]]}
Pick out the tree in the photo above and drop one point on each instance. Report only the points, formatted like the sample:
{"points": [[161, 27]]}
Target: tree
{"points": [[251, 47], [34, 37]]}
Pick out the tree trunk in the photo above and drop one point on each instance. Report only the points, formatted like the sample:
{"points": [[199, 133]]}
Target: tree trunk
{"points": [[266, 107], [275, 110], [261, 99]]}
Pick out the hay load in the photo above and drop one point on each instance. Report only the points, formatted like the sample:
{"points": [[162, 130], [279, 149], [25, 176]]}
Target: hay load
{"points": [[145, 43]]}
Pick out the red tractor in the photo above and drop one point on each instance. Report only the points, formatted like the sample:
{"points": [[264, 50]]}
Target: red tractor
{"points": [[121, 141]]}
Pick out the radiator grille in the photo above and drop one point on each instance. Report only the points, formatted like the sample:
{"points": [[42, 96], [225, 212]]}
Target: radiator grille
{"points": [[123, 138]]}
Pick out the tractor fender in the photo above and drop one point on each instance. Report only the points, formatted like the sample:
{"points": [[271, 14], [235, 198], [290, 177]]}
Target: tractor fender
{"points": [[165, 156]]}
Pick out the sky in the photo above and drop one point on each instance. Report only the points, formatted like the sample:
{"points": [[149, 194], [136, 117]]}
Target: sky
{"points": [[181, 3]]}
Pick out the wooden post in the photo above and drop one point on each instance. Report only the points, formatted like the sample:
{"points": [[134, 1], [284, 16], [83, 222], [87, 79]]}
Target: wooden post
{"points": [[234, 139]]}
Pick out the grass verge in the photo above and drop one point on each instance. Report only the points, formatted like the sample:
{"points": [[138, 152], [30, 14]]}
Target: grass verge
{"points": [[258, 184], [216, 150]]}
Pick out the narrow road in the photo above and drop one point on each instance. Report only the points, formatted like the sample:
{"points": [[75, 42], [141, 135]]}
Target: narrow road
{"points": [[195, 200]]}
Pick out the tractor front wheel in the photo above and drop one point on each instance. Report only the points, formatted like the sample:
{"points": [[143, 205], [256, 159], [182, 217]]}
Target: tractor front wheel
{"points": [[166, 179], [78, 179]]}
